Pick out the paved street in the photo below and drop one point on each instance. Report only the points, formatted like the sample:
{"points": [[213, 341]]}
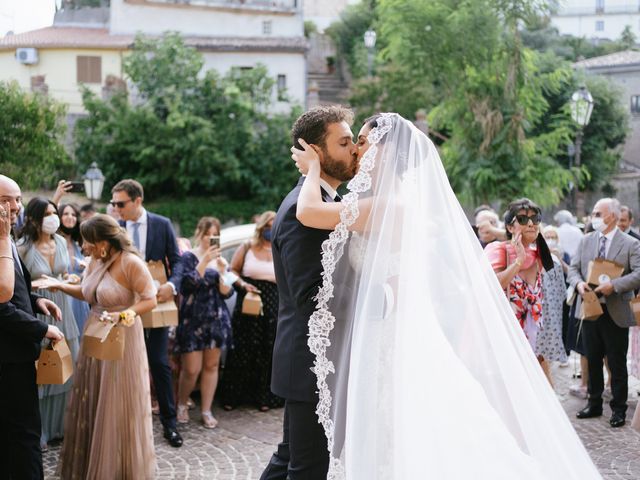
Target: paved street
{"points": [[242, 444]]}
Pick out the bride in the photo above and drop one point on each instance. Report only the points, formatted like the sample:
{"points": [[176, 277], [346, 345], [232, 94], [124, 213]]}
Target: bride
{"points": [[422, 370]]}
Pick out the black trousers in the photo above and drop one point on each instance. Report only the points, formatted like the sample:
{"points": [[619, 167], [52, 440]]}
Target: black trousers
{"points": [[603, 338], [157, 342], [20, 427], [302, 454]]}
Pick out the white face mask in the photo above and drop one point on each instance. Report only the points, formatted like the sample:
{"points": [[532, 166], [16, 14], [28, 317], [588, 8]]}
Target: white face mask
{"points": [[552, 243], [598, 224], [50, 224]]}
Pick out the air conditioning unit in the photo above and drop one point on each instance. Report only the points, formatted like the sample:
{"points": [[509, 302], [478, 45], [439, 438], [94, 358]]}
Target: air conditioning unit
{"points": [[28, 56]]}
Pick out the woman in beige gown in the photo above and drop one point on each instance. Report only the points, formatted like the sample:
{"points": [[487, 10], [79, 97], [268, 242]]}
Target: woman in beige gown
{"points": [[108, 421]]}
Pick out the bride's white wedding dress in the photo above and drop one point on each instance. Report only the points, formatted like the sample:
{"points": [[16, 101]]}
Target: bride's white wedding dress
{"points": [[423, 371]]}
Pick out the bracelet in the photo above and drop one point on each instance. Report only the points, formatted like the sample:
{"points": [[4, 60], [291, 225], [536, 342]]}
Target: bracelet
{"points": [[8, 256]]}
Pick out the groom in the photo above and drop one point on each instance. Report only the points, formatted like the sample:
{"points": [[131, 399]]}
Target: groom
{"points": [[303, 453]]}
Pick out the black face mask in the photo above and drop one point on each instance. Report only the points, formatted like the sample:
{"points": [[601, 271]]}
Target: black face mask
{"points": [[66, 230]]}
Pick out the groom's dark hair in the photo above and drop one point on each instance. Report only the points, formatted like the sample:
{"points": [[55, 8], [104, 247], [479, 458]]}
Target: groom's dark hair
{"points": [[312, 125]]}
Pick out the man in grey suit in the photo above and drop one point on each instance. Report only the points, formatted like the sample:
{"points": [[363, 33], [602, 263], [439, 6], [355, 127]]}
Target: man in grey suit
{"points": [[608, 336]]}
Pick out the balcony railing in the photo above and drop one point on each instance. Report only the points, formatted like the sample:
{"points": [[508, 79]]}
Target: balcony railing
{"points": [[595, 9], [261, 5]]}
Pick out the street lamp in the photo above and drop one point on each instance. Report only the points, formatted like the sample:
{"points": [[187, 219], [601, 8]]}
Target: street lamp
{"points": [[581, 108], [370, 43], [93, 182]]}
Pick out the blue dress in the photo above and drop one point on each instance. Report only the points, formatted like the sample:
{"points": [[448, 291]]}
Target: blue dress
{"points": [[80, 307], [205, 322]]}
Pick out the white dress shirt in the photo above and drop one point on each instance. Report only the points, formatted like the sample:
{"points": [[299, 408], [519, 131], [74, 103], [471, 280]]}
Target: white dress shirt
{"points": [[328, 188], [607, 245], [143, 220]]}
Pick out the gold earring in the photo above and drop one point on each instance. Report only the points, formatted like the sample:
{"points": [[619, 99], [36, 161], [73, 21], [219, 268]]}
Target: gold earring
{"points": [[103, 253]]}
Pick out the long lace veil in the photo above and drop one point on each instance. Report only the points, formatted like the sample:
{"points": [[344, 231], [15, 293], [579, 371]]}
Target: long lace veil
{"points": [[422, 369]]}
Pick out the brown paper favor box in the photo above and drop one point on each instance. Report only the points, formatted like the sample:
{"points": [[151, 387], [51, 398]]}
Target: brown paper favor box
{"points": [[252, 304], [55, 364], [602, 271], [164, 315], [635, 308], [103, 340], [591, 308]]}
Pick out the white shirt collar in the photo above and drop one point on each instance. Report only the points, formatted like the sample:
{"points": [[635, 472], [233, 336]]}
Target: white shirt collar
{"points": [[327, 188], [610, 234], [142, 219]]}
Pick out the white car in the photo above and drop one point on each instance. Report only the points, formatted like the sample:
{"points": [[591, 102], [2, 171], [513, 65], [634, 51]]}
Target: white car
{"points": [[230, 239]]}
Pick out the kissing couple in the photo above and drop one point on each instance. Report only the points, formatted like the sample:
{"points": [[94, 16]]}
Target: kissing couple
{"points": [[397, 352]]}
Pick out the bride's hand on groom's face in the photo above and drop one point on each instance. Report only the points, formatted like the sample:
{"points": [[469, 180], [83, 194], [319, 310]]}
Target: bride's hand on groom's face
{"points": [[306, 158]]}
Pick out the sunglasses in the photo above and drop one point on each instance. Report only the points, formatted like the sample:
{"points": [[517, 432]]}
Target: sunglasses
{"points": [[524, 219], [119, 204]]}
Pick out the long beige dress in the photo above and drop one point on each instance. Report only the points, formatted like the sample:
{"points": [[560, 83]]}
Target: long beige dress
{"points": [[108, 425]]}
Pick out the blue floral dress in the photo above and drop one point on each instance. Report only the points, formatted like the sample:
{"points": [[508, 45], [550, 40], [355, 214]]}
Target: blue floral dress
{"points": [[205, 322]]}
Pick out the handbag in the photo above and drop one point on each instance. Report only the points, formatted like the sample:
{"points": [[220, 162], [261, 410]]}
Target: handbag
{"points": [[252, 304]]}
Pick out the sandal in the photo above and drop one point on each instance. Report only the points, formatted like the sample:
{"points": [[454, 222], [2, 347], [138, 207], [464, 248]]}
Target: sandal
{"points": [[190, 404], [183, 414], [228, 408], [264, 408], [208, 421]]}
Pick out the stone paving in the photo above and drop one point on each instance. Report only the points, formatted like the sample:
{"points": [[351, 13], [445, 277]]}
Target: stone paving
{"points": [[240, 447]]}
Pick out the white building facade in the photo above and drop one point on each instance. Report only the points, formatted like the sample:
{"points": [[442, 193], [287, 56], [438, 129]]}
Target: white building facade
{"points": [[596, 19]]}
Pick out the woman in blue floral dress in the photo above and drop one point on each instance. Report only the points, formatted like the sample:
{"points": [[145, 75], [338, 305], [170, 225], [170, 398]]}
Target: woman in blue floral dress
{"points": [[205, 322]]}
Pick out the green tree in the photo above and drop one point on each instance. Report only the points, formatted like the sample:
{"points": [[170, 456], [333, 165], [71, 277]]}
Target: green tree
{"points": [[187, 133], [627, 38], [32, 128]]}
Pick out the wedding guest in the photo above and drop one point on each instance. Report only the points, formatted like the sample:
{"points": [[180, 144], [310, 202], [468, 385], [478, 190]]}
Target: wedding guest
{"points": [[568, 233], [61, 190], [87, 211], [70, 231], [247, 370], [108, 426], [7, 277], [519, 264], [608, 335], [45, 253], [549, 344], [20, 336], [205, 324], [626, 221], [154, 238]]}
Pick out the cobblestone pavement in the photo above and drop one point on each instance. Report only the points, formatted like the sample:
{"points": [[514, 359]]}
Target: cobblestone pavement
{"points": [[243, 442]]}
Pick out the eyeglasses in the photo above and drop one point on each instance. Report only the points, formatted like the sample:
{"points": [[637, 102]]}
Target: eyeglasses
{"points": [[524, 219], [119, 204]]}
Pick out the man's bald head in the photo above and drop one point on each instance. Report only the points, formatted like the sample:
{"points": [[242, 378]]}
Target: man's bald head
{"points": [[11, 197]]}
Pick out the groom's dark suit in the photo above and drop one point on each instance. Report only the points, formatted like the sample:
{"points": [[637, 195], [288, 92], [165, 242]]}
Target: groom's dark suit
{"points": [[20, 336], [296, 256]]}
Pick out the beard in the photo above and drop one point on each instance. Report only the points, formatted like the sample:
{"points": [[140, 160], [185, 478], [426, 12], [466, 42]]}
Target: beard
{"points": [[339, 170]]}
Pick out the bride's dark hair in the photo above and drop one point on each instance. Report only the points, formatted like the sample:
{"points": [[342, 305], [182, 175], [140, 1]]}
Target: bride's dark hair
{"points": [[102, 227]]}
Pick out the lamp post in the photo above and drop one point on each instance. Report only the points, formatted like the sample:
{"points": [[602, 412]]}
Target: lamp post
{"points": [[581, 108], [93, 182], [370, 43]]}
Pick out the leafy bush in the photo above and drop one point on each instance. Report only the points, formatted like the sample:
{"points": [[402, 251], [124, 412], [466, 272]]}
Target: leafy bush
{"points": [[31, 134], [188, 134]]}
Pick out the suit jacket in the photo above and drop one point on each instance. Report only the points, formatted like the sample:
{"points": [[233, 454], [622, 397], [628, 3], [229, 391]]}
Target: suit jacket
{"points": [[624, 250], [162, 245], [633, 234], [297, 262], [20, 331]]}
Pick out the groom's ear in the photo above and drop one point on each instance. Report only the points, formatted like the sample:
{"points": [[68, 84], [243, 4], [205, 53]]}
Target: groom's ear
{"points": [[318, 150]]}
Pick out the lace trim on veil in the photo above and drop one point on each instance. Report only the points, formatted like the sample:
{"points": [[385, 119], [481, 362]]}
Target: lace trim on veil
{"points": [[322, 320]]}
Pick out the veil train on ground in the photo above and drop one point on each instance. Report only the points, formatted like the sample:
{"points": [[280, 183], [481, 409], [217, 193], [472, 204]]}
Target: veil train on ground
{"points": [[422, 369]]}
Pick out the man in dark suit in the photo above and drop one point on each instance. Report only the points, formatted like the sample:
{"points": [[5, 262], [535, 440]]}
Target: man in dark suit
{"points": [[20, 336], [626, 221], [155, 239], [608, 335], [303, 453]]}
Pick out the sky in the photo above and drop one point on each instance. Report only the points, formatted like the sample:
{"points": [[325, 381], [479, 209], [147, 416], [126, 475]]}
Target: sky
{"points": [[24, 15]]}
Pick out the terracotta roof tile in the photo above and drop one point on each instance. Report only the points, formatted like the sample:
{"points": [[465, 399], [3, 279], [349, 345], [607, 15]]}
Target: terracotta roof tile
{"points": [[100, 38]]}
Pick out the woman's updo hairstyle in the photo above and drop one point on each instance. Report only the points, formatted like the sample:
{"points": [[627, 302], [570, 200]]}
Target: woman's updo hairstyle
{"points": [[101, 228]]}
